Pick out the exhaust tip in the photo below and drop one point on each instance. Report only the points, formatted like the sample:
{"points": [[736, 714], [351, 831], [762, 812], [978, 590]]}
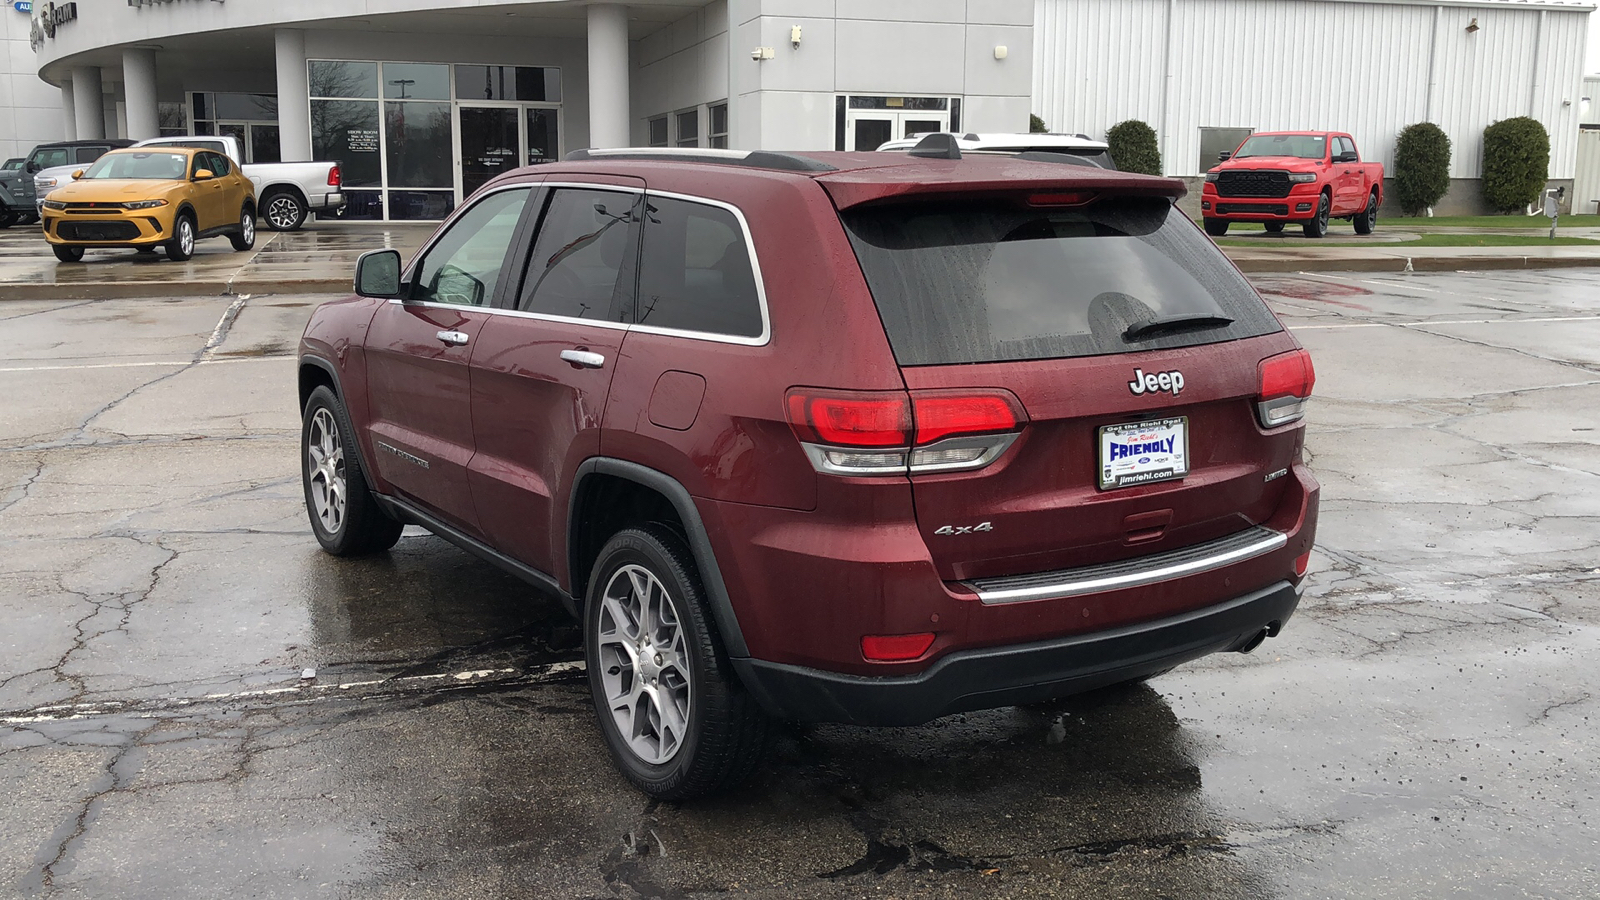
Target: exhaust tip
{"points": [[1254, 641]]}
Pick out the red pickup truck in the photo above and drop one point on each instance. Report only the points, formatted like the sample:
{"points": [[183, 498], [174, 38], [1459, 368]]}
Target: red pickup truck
{"points": [[1278, 177]]}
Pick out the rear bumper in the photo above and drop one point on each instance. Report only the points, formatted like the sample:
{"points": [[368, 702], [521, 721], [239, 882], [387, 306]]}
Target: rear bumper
{"points": [[1024, 673]]}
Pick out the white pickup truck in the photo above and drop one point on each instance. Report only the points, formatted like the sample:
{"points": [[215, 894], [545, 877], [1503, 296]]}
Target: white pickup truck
{"points": [[285, 192]]}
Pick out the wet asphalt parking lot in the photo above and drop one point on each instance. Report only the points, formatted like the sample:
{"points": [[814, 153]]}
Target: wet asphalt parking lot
{"points": [[1426, 726]]}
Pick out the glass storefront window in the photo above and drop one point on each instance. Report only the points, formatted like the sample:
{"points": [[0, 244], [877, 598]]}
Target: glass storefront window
{"points": [[245, 106], [418, 144], [421, 204], [361, 205], [416, 81], [347, 131], [342, 78], [689, 128], [535, 83]]}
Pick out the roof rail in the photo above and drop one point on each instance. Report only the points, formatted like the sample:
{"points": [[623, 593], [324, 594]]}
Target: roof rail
{"points": [[755, 159], [938, 145]]}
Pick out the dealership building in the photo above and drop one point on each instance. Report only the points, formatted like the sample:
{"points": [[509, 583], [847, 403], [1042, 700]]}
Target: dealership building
{"points": [[421, 101]]}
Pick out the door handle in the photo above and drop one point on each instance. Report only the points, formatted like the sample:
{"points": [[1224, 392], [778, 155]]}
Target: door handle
{"points": [[584, 358], [453, 337]]}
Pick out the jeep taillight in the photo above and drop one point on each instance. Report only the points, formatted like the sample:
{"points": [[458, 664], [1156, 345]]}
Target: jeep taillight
{"points": [[334, 178], [894, 432], [1286, 381]]}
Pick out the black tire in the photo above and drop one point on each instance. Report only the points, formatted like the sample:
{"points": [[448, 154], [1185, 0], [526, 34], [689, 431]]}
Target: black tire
{"points": [[9, 218], [360, 525], [725, 733], [181, 246], [245, 237], [1367, 219], [1273, 227], [283, 211], [1317, 226], [67, 253], [1216, 227]]}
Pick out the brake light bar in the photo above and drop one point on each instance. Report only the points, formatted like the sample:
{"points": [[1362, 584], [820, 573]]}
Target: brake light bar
{"points": [[1061, 198], [895, 432], [1285, 381]]}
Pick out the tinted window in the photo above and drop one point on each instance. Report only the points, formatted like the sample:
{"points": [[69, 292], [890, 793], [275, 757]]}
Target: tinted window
{"points": [[49, 159], [586, 241], [88, 154], [465, 265], [1347, 146], [218, 164], [984, 281], [695, 273]]}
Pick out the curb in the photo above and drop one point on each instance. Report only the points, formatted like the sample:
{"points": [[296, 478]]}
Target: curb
{"points": [[140, 289], [1256, 265]]}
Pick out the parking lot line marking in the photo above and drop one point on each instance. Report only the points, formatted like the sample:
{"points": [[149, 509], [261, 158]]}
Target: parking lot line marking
{"points": [[1431, 322], [138, 365]]}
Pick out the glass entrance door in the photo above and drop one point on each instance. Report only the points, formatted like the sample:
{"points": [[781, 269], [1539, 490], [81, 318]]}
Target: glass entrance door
{"points": [[867, 129], [258, 140], [490, 143], [543, 135]]}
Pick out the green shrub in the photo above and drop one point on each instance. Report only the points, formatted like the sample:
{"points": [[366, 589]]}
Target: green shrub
{"points": [[1134, 148], [1036, 125], [1421, 167], [1516, 163]]}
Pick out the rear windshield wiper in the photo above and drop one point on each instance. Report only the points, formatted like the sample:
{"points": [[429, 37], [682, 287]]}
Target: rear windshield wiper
{"points": [[1140, 330]]}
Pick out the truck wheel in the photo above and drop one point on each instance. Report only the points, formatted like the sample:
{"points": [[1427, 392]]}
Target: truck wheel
{"points": [[1273, 227], [67, 253], [1216, 227], [1318, 226], [1367, 219], [9, 218], [344, 517], [283, 211], [245, 237], [181, 247], [676, 719]]}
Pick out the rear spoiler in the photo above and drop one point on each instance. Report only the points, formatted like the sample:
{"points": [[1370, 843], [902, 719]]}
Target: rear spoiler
{"points": [[990, 175]]}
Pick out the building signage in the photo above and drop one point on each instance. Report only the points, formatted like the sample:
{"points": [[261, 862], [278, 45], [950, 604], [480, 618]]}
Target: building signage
{"points": [[22, 5], [51, 16], [153, 2]]}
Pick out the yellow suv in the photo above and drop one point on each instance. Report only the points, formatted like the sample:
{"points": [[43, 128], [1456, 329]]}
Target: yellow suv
{"points": [[149, 197]]}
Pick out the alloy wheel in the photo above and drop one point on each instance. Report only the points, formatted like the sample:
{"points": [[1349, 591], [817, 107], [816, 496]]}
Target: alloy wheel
{"points": [[282, 212], [248, 223], [327, 476], [185, 236], [645, 667]]}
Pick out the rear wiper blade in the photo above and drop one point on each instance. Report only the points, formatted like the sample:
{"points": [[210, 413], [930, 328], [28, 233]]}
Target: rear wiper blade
{"points": [[1149, 327]]}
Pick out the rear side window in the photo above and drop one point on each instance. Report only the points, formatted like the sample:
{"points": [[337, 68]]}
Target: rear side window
{"points": [[987, 281], [89, 154], [696, 273], [587, 242]]}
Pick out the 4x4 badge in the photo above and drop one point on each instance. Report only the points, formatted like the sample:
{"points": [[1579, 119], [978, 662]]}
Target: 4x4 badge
{"points": [[964, 529], [1155, 382]]}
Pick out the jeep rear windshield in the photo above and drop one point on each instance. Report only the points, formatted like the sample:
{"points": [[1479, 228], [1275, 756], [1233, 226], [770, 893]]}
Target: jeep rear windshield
{"points": [[994, 280]]}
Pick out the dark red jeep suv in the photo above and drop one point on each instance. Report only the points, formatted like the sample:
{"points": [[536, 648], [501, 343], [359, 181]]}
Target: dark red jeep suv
{"points": [[825, 437]]}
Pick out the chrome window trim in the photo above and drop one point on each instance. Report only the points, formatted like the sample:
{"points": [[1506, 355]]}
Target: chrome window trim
{"points": [[1075, 587], [997, 445], [760, 340]]}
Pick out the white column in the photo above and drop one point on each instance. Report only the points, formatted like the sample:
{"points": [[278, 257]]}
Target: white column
{"points": [[88, 106], [139, 90], [294, 109], [69, 116], [608, 75]]}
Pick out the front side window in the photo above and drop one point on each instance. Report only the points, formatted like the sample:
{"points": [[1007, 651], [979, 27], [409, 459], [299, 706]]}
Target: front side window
{"points": [[49, 159], [464, 267], [695, 273], [587, 241]]}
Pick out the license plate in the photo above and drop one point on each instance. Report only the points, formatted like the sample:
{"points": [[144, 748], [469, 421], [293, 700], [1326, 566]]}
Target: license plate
{"points": [[1143, 452]]}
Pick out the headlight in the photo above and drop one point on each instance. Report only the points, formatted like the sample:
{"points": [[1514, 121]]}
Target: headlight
{"points": [[1211, 176], [44, 182], [1302, 177], [143, 204], [54, 204]]}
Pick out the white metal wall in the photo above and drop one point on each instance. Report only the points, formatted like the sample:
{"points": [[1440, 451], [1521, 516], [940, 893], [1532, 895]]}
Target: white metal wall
{"points": [[1369, 68]]}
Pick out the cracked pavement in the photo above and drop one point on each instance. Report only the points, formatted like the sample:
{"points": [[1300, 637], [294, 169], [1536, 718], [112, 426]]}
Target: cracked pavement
{"points": [[196, 702]]}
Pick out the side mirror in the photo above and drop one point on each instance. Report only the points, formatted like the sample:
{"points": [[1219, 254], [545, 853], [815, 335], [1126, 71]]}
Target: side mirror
{"points": [[32, 167], [378, 274], [204, 175], [77, 174], [1224, 156]]}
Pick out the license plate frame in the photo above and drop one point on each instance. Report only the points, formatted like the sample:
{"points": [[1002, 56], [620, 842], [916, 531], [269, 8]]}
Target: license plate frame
{"points": [[1130, 469]]}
